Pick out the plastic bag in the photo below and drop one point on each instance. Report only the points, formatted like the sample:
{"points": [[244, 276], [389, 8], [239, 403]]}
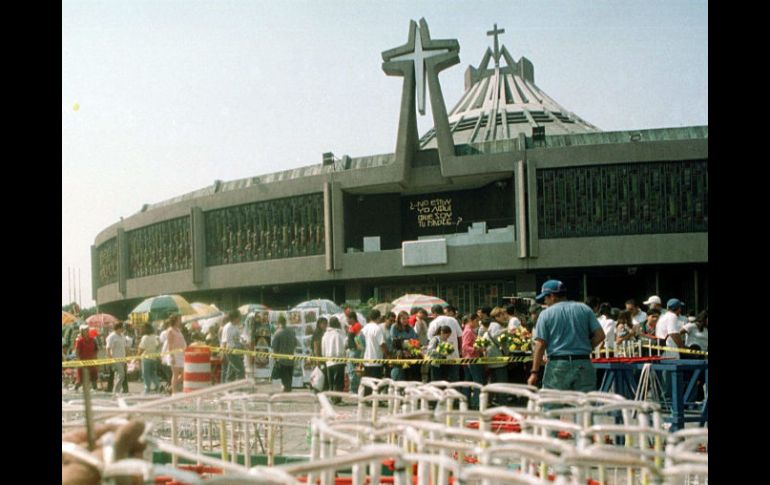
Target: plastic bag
{"points": [[317, 379]]}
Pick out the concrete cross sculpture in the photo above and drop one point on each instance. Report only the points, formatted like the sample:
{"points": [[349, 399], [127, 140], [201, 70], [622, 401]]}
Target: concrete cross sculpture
{"points": [[495, 31], [419, 61]]}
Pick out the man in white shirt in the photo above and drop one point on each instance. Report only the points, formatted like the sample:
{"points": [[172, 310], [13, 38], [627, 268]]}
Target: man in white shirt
{"points": [[608, 325], [231, 335], [333, 345], [116, 349], [637, 315], [669, 327], [513, 320], [375, 347], [697, 334]]}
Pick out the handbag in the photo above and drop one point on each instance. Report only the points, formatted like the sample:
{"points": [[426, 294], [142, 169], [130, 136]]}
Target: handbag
{"points": [[317, 379]]}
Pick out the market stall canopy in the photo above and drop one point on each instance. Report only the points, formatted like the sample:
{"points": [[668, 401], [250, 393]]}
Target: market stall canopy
{"points": [[411, 300]]}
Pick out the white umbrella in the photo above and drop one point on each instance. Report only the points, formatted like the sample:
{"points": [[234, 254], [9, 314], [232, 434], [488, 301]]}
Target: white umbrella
{"points": [[202, 312], [324, 307], [411, 300]]}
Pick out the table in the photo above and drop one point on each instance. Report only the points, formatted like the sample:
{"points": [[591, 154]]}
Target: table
{"points": [[681, 394], [622, 378]]}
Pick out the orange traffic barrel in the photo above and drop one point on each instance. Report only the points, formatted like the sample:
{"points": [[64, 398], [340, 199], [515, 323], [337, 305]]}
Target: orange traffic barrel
{"points": [[197, 368]]}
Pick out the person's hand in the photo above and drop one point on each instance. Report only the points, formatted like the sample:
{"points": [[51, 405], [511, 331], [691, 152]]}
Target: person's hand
{"points": [[532, 380], [125, 445]]}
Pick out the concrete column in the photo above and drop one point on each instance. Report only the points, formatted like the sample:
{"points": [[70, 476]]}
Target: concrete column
{"points": [[520, 204], [94, 273], [657, 282], [532, 210], [338, 225], [585, 287], [122, 261], [197, 243], [328, 233]]}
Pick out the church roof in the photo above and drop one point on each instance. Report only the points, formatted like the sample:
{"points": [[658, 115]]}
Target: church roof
{"points": [[501, 101]]}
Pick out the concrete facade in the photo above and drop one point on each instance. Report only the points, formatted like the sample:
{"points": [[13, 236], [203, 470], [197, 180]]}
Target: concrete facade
{"points": [[523, 259]]}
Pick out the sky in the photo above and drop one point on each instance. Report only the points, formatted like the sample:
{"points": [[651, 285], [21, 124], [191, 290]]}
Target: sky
{"points": [[160, 98]]}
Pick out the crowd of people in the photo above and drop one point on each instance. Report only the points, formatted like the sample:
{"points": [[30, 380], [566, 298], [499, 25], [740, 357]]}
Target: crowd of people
{"points": [[123, 339], [559, 333]]}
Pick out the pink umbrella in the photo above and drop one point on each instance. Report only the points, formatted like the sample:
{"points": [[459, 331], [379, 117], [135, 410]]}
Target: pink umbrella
{"points": [[101, 320]]}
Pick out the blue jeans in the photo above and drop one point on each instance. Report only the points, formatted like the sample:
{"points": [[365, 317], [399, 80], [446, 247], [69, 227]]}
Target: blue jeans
{"points": [[565, 375], [473, 373], [225, 365], [119, 368], [235, 369], [150, 374]]}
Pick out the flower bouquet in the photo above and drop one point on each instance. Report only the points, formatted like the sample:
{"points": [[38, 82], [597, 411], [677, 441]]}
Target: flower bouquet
{"points": [[481, 343], [521, 340], [412, 348], [504, 340], [444, 349]]}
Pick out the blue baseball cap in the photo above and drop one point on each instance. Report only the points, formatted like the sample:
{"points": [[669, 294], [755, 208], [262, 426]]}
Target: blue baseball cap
{"points": [[674, 303], [550, 287]]}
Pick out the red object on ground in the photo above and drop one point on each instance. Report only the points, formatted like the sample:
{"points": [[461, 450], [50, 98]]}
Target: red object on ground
{"points": [[500, 423]]}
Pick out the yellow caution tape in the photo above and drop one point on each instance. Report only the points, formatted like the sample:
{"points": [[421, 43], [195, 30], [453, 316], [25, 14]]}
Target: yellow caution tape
{"points": [[676, 349], [402, 362], [256, 353]]}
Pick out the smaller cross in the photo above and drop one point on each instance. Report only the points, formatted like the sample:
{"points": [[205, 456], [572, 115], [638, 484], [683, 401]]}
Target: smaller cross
{"points": [[495, 32]]}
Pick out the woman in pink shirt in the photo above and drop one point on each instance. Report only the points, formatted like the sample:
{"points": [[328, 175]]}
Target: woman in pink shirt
{"points": [[175, 345], [472, 372]]}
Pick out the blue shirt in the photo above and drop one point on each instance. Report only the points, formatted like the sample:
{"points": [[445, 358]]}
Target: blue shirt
{"points": [[407, 333], [566, 327]]}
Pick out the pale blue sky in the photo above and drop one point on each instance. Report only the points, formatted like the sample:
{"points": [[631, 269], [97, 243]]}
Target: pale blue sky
{"points": [[176, 94]]}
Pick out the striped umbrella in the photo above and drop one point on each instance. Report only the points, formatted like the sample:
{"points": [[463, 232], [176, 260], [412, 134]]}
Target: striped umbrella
{"points": [[101, 320], [67, 318], [252, 307], [160, 307], [410, 300]]}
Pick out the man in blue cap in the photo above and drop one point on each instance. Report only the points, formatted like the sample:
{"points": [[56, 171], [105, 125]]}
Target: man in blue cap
{"points": [[569, 331], [670, 325]]}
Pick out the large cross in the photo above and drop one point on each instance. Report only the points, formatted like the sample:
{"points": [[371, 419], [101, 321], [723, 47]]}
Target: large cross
{"points": [[495, 32], [418, 55]]}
